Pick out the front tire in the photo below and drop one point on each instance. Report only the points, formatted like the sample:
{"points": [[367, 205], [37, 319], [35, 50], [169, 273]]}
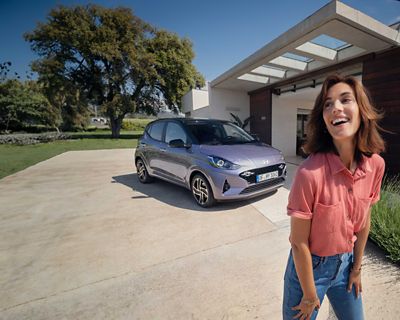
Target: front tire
{"points": [[202, 192], [142, 173]]}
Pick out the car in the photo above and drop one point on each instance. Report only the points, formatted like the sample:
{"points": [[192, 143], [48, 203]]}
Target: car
{"points": [[215, 159]]}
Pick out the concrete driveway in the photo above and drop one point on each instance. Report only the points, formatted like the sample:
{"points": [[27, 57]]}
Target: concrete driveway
{"points": [[80, 238]]}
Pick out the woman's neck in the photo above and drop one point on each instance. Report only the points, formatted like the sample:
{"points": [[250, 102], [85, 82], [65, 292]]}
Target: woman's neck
{"points": [[346, 150]]}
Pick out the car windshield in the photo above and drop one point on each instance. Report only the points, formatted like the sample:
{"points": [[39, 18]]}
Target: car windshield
{"points": [[214, 133]]}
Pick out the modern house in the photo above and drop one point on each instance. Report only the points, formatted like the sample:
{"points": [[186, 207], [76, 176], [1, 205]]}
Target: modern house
{"points": [[277, 85]]}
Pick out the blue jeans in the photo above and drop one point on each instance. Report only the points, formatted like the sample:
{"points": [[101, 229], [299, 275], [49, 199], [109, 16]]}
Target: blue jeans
{"points": [[331, 276]]}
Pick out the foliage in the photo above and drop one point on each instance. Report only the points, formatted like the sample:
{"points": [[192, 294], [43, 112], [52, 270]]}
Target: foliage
{"points": [[5, 70], [110, 58], [135, 124], [385, 219], [28, 139], [22, 104], [176, 73], [243, 124]]}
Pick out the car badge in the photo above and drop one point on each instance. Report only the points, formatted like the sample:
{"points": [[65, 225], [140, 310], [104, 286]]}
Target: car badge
{"points": [[281, 166]]}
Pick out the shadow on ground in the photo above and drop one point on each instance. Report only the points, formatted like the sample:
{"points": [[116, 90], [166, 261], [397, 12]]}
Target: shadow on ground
{"points": [[174, 195]]}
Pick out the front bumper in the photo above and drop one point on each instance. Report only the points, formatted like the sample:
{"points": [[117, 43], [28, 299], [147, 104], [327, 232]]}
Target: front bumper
{"points": [[233, 185]]}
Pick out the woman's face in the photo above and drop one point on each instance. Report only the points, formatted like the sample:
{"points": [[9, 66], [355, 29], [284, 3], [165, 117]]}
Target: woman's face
{"points": [[341, 112]]}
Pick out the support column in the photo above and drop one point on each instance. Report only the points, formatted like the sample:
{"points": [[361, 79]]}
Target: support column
{"points": [[381, 76]]}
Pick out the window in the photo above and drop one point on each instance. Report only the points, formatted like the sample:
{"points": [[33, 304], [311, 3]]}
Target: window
{"points": [[156, 130], [174, 131]]}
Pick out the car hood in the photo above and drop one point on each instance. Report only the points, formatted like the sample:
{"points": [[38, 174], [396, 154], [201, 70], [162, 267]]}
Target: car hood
{"points": [[258, 155]]}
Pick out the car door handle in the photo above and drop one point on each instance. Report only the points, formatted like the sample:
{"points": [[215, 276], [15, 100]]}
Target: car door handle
{"points": [[163, 149]]}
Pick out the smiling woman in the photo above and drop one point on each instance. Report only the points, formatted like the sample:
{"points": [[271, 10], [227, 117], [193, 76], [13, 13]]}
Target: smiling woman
{"points": [[330, 203]]}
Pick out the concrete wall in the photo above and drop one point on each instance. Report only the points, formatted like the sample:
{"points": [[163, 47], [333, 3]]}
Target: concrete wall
{"points": [[216, 103], [201, 113], [223, 102], [195, 99], [284, 119]]}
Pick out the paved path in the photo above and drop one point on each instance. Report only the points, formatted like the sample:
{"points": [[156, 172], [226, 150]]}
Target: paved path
{"points": [[80, 238]]}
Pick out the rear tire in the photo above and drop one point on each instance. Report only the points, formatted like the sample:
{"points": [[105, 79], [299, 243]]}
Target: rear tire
{"points": [[142, 172], [201, 191]]}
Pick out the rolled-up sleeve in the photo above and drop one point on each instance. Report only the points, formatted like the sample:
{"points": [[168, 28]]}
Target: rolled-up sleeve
{"points": [[301, 197], [376, 191]]}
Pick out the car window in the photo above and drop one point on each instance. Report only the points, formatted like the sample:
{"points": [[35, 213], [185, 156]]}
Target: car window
{"points": [[156, 130], [206, 133], [237, 133], [174, 131], [219, 133]]}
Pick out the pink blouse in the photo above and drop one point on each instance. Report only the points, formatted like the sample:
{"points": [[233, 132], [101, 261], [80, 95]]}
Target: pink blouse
{"points": [[336, 201]]}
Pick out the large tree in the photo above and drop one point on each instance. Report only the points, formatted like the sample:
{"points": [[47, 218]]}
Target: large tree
{"points": [[111, 58]]}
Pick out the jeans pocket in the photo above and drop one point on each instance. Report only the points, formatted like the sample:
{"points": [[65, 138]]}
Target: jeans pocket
{"points": [[316, 261]]}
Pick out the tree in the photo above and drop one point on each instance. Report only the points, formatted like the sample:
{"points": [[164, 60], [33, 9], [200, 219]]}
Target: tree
{"points": [[173, 62], [22, 104], [111, 58]]}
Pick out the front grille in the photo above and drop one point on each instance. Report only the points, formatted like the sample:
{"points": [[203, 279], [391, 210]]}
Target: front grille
{"points": [[252, 178], [262, 185]]}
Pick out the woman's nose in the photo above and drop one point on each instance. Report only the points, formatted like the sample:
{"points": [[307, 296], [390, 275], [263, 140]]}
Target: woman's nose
{"points": [[337, 106]]}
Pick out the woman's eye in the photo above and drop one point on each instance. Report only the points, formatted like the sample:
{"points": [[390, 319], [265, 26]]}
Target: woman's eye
{"points": [[327, 104]]}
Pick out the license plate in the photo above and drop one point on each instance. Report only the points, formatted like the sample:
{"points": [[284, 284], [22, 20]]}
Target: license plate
{"points": [[267, 176]]}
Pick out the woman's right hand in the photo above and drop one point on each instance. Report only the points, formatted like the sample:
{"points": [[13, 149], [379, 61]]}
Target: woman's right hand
{"points": [[306, 308]]}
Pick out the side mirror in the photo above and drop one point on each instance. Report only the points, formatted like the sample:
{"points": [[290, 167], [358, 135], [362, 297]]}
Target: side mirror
{"points": [[178, 143]]}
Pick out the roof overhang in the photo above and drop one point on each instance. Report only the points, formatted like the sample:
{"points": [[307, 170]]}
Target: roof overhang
{"points": [[303, 48]]}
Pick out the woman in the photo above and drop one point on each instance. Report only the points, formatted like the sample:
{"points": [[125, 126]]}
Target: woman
{"points": [[330, 202]]}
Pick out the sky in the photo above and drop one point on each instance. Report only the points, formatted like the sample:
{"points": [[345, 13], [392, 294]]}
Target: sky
{"points": [[223, 32]]}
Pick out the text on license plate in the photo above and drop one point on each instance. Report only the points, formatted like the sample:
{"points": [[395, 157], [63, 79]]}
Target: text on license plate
{"points": [[267, 176]]}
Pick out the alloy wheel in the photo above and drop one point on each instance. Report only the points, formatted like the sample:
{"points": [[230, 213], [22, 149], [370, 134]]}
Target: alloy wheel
{"points": [[142, 173], [202, 192]]}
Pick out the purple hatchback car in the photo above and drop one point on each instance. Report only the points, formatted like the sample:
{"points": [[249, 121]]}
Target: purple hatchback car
{"points": [[215, 159]]}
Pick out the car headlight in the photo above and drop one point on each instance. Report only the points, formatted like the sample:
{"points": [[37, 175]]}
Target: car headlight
{"points": [[222, 163]]}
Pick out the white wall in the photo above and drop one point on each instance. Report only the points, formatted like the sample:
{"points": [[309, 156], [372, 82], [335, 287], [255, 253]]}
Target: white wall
{"points": [[201, 113], [194, 99], [216, 103], [223, 102], [284, 117]]}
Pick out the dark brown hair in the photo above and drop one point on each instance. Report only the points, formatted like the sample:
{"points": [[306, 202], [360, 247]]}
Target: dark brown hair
{"points": [[368, 138]]}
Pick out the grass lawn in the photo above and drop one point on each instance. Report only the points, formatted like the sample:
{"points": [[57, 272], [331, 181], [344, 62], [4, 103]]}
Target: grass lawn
{"points": [[14, 158]]}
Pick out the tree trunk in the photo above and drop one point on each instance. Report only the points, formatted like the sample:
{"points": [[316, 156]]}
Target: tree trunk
{"points": [[115, 127]]}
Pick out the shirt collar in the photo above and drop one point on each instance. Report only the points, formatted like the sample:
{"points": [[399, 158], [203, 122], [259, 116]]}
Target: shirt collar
{"points": [[336, 165]]}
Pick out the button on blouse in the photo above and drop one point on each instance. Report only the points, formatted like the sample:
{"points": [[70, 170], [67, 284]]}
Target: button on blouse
{"points": [[336, 201]]}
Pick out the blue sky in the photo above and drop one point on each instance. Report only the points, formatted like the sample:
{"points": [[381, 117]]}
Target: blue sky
{"points": [[223, 32]]}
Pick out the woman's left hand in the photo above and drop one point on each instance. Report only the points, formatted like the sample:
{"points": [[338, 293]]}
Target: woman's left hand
{"points": [[355, 279]]}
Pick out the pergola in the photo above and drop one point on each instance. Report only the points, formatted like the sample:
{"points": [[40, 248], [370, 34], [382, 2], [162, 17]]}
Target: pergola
{"points": [[331, 36]]}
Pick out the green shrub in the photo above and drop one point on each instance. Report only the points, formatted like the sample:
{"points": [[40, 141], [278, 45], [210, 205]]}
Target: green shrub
{"points": [[135, 124], [32, 138], [385, 219]]}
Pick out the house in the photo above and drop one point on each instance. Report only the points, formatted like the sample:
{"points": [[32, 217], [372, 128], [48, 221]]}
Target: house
{"points": [[277, 85]]}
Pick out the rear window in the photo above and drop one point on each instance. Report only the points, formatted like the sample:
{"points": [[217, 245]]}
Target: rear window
{"points": [[156, 130]]}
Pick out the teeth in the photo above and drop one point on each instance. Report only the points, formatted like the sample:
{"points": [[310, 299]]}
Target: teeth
{"points": [[336, 121]]}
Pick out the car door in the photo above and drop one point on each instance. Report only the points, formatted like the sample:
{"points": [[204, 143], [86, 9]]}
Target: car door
{"points": [[154, 147], [177, 160]]}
